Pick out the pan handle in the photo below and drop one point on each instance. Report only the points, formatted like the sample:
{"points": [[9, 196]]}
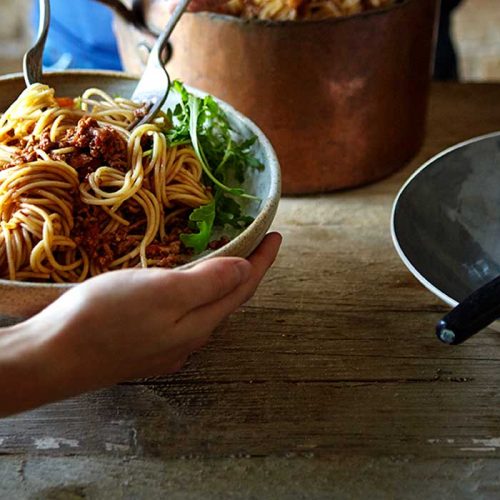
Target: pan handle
{"points": [[133, 15], [474, 313]]}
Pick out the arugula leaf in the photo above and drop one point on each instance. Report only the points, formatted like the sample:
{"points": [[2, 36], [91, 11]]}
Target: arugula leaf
{"points": [[228, 211], [225, 156], [179, 118], [202, 218], [194, 107]]}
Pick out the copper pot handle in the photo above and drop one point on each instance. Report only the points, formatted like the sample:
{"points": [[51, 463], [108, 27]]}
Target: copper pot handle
{"points": [[144, 49], [133, 15]]}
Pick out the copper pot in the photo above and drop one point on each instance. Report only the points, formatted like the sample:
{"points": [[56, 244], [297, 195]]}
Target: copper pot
{"points": [[343, 100]]}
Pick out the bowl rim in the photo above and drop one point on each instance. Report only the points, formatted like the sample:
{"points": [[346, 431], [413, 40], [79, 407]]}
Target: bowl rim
{"points": [[268, 205], [429, 163]]}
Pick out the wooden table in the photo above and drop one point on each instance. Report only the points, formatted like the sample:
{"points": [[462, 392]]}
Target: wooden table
{"points": [[329, 381]]}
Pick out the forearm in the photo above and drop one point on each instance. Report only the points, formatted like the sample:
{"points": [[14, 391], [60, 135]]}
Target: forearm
{"points": [[47, 359], [33, 368], [19, 372]]}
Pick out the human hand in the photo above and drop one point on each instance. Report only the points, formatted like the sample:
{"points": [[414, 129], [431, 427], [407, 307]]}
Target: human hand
{"points": [[127, 324]]}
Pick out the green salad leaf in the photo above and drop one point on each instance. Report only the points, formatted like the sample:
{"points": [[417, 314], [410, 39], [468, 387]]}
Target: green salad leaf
{"points": [[225, 157], [202, 219]]}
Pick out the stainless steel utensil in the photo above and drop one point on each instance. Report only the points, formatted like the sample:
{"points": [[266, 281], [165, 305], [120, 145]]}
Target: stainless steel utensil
{"points": [[32, 62], [154, 85]]}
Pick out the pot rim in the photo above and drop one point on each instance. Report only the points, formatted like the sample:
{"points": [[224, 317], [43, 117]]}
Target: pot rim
{"points": [[298, 24]]}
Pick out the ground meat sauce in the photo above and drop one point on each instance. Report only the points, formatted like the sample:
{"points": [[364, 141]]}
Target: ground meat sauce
{"points": [[104, 248], [95, 146], [28, 148], [170, 252], [87, 233]]}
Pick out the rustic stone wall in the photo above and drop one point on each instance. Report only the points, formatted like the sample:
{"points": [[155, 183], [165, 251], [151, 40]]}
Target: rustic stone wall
{"points": [[15, 33], [15, 12], [476, 27]]}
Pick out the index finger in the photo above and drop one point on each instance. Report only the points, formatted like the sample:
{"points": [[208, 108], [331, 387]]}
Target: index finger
{"points": [[210, 315]]}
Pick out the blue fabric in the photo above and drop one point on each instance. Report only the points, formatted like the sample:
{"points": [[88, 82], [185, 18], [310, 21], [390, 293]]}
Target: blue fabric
{"points": [[80, 36]]}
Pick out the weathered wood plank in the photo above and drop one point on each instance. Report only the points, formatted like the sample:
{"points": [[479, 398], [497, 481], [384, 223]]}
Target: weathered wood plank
{"points": [[269, 392], [368, 417]]}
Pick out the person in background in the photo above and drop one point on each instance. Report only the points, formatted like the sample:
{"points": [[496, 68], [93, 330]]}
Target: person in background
{"points": [[80, 36]]}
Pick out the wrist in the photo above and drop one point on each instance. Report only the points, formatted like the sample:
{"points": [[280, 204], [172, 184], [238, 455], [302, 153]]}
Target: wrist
{"points": [[21, 377], [33, 368]]}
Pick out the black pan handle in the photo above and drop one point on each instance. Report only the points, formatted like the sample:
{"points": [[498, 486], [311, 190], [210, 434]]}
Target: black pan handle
{"points": [[133, 15], [470, 316]]}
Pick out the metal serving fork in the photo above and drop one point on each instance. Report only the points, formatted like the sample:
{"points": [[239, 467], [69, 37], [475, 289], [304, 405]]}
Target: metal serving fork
{"points": [[154, 85], [32, 62]]}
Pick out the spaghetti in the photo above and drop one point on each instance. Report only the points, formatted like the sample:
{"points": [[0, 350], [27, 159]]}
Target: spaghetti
{"points": [[80, 194], [290, 10]]}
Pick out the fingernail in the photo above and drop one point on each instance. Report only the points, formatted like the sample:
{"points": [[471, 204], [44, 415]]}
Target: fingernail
{"points": [[244, 268]]}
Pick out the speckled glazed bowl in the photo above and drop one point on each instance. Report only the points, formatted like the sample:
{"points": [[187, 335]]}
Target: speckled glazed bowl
{"points": [[446, 220], [22, 299]]}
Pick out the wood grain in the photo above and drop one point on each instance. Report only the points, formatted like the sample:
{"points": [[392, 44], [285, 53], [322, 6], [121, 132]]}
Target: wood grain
{"points": [[334, 357]]}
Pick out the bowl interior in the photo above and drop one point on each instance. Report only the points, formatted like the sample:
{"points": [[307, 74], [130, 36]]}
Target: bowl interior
{"points": [[265, 185], [446, 219]]}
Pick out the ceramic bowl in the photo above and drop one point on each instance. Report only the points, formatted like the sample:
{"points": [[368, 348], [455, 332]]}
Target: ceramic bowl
{"points": [[446, 219], [21, 299]]}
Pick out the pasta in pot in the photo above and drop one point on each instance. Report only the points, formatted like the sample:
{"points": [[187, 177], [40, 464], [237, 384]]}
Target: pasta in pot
{"points": [[289, 10]]}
